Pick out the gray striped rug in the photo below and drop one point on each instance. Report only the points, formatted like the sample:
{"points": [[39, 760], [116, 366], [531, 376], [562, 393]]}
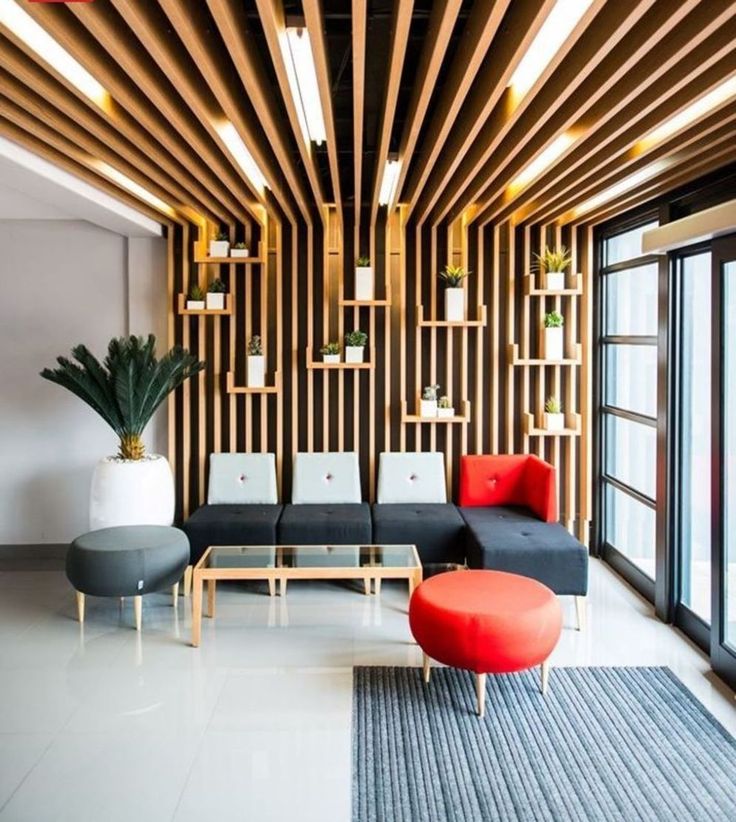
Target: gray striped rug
{"points": [[604, 744]]}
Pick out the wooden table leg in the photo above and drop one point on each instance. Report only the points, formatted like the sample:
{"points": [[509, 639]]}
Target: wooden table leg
{"points": [[188, 580], [211, 595], [175, 594], [138, 610], [272, 586], [426, 669], [367, 586], [545, 676], [282, 586], [80, 606], [377, 586], [480, 690], [196, 611]]}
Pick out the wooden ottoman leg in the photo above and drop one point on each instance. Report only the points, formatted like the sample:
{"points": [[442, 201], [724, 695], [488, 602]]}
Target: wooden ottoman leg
{"points": [[480, 690], [581, 607], [175, 594], [80, 606], [545, 676], [138, 610], [426, 670], [188, 580]]}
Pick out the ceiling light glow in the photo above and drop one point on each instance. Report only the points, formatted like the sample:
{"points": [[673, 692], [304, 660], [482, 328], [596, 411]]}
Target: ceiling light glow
{"points": [[389, 182], [134, 188], [621, 187], [542, 161], [302, 75], [239, 151]]}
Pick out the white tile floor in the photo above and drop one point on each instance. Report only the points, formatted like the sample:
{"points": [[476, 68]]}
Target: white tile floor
{"points": [[104, 724]]}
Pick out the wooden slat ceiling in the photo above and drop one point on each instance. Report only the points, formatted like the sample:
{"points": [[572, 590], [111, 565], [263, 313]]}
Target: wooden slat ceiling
{"points": [[425, 80]]}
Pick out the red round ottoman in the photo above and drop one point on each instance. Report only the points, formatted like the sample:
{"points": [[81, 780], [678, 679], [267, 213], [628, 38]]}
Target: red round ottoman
{"points": [[488, 622]]}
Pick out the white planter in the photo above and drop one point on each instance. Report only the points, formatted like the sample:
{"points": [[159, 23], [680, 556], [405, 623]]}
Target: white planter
{"points": [[554, 422], [195, 305], [238, 252], [554, 281], [331, 359], [354, 353], [445, 413], [427, 408], [553, 344], [131, 492], [219, 248], [215, 301], [256, 371], [455, 305], [364, 282]]}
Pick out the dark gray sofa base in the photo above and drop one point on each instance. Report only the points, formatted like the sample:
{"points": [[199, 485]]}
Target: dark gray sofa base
{"points": [[437, 529], [231, 525], [339, 524]]}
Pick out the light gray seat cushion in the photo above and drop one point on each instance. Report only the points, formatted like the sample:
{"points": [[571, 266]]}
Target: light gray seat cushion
{"points": [[411, 477], [242, 479], [326, 478]]}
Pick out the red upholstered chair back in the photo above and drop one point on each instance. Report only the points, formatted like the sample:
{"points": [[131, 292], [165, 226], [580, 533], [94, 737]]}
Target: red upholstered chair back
{"points": [[509, 479]]}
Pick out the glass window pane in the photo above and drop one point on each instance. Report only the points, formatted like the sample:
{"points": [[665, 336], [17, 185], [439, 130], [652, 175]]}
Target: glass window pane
{"points": [[631, 378], [729, 446], [631, 454], [625, 246], [631, 302], [631, 527]]}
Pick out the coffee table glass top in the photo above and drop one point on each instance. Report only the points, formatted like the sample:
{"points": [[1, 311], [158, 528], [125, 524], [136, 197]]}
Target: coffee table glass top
{"points": [[310, 556]]}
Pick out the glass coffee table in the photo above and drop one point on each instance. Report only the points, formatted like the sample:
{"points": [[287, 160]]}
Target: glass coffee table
{"points": [[280, 563]]}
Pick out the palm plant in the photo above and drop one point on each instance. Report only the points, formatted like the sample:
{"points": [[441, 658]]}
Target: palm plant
{"points": [[453, 276], [128, 387], [552, 259]]}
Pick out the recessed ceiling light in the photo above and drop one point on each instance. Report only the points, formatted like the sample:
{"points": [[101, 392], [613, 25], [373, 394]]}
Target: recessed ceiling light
{"points": [[302, 74], [36, 37], [134, 188], [389, 182], [542, 161], [241, 155], [621, 187]]}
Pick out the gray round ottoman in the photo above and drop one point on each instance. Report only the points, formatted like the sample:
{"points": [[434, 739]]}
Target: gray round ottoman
{"points": [[130, 560]]}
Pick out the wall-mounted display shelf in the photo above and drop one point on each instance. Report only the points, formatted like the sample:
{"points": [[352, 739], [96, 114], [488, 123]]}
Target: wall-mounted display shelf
{"points": [[336, 366], [202, 258], [479, 323], [410, 418], [571, 429], [228, 309], [531, 290], [365, 303], [515, 359], [244, 389]]}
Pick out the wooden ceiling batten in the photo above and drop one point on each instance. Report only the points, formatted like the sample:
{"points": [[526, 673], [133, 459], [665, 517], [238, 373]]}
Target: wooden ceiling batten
{"points": [[358, 39]]}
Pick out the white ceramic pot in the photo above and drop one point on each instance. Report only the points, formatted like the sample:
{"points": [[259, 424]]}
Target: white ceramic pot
{"points": [[553, 344], [445, 413], [256, 370], [238, 252], [427, 408], [364, 282], [354, 353], [195, 305], [331, 359], [554, 422], [131, 492], [215, 301], [455, 305], [554, 281], [219, 248]]}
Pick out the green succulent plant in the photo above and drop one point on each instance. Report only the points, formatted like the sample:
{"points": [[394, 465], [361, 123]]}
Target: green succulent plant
{"points": [[363, 262], [356, 338], [553, 405], [453, 275], [444, 402], [222, 236], [554, 320], [255, 347], [552, 260], [430, 392], [241, 246], [330, 348], [217, 286], [196, 293]]}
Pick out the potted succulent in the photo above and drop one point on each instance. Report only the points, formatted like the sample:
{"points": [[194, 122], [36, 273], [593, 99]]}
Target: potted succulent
{"points": [[216, 295], [239, 250], [132, 488], [220, 246], [355, 346], [364, 280], [428, 402], [444, 409], [552, 262], [256, 363], [553, 339], [453, 276], [554, 419], [196, 299], [330, 353]]}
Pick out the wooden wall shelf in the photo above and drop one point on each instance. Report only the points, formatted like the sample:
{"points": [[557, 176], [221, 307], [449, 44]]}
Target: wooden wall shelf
{"points": [[531, 290], [479, 323], [572, 427], [337, 366], [202, 258], [228, 309], [413, 418], [244, 389], [365, 303], [515, 359]]}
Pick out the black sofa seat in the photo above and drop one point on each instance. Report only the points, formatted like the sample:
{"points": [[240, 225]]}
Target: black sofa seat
{"points": [[509, 538], [343, 523], [251, 524], [437, 529]]}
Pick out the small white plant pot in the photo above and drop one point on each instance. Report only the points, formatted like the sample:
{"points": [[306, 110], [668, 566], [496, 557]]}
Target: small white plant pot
{"points": [[445, 413], [215, 301], [354, 353], [554, 422], [553, 344], [256, 372], [364, 282], [195, 305], [238, 252], [428, 408], [455, 305], [331, 359], [219, 248], [554, 281]]}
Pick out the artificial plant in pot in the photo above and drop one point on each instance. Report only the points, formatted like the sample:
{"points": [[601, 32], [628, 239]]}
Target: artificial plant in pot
{"points": [[554, 419], [453, 277], [195, 301], [220, 246], [131, 488], [553, 336], [239, 250], [428, 401], [256, 363], [355, 346], [216, 295], [552, 262], [364, 280], [444, 408], [330, 353]]}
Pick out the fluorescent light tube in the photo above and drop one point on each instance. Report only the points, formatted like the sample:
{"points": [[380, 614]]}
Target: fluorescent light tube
{"points": [[542, 161], [241, 155], [389, 182], [134, 188], [621, 187], [558, 26], [37, 38], [302, 75]]}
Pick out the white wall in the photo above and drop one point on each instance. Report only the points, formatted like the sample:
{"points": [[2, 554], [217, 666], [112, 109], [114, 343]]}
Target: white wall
{"points": [[62, 283]]}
